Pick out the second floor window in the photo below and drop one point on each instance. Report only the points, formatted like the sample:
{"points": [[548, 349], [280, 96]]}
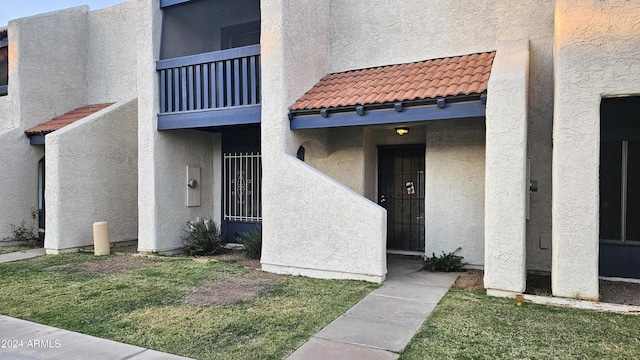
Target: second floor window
{"points": [[4, 61]]}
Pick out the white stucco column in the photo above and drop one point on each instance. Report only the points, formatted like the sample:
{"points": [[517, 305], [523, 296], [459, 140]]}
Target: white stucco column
{"points": [[505, 172], [149, 30]]}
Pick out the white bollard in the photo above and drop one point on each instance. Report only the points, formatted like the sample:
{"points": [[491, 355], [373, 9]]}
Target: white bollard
{"points": [[101, 244]]}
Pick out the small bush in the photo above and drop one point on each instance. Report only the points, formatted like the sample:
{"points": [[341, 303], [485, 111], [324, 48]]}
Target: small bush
{"points": [[252, 241], [26, 235], [446, 262], [202, 237]]}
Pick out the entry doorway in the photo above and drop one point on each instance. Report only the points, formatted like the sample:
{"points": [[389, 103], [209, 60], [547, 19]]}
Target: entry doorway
{"points": [[401, 192], [241, 181], [620, 187], [41, 194]]}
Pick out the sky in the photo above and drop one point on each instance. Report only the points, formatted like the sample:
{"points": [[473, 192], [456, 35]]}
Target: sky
{"points": [[13, 9]]}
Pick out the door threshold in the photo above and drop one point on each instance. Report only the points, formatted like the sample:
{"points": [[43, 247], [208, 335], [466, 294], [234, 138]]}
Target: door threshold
{"points": [[405, 252]]}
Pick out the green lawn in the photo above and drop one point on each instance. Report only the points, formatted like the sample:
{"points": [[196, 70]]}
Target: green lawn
{"points": [[471, 325], [10, 249], [146, 306], [153, 303]]}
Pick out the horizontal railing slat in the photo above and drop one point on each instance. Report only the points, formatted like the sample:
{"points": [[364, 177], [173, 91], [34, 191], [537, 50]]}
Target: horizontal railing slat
{"points": [[235, 53]]}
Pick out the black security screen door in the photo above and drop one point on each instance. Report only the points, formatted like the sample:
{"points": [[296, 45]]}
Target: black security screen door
{"points": [[620, 187], [401, 192]]}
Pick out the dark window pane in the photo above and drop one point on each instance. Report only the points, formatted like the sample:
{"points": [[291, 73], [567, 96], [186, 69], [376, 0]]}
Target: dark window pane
{"points": [[610, 177], [633, 191]]}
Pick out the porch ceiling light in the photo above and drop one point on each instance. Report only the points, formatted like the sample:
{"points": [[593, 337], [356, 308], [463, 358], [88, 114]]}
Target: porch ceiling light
{"points": [[402, 130]]}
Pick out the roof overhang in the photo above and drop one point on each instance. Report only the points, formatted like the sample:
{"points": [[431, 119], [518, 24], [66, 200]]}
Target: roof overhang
{"points": [[400, 112], [437, 89], [36, 134]]}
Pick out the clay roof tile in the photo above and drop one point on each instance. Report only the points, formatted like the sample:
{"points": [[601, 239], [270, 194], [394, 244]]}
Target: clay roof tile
{"points": [[66, 119], [460, 75]]}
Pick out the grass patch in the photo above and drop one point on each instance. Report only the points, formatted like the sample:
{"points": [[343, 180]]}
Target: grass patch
{"points": [[471, 325], [11, 249], [146, 305]]}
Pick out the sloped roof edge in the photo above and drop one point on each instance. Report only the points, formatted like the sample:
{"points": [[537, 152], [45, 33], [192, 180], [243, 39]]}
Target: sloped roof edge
{"points": [[66, 119], [429, 79]]}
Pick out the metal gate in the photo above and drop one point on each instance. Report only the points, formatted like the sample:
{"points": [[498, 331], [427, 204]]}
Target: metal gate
{"points": [[242, 187], [401, 172]]}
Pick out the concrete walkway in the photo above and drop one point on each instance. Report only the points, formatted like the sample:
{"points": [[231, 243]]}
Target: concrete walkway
{"points": [[21, 255], [383, 323], [25, 340]]}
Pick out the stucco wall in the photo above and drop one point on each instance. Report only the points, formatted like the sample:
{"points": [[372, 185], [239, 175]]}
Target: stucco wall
{"points": [[6, 112], [454, 179], [47, 77], [597, 44], [447, 28], [343, 159], [335, 233], [51, 60], [390, 33], [533, 21], [173, 151], [163, 156], [506, 164], [91, 172], [18, 180], [112, 54]]}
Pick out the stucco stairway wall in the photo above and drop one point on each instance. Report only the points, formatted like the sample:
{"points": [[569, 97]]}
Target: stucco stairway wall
{"points": [[92, 175], [329, 231], [312, 225], [597, 47]]}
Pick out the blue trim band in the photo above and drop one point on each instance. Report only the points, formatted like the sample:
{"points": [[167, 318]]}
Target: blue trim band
{"points": [[37, 139], [456, 110], [210, 118], [165, 3]]}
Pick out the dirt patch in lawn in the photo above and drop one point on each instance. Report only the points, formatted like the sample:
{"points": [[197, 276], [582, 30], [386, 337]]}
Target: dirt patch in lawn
{"points": [[238, 256], [470, 280], [110, 265], [231, 291]]}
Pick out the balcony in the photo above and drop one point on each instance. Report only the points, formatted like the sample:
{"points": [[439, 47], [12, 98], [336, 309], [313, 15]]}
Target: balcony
{"points": [[213, 89]]}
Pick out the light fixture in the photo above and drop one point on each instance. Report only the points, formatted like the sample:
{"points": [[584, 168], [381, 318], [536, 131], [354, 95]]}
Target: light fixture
{"points": [[402, 130]]}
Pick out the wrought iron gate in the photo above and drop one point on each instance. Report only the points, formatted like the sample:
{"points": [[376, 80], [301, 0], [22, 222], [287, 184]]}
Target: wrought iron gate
{"points": [[401, 171], [242, 187]]}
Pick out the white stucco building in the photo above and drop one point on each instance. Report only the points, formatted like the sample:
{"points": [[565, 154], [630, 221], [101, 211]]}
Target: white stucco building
{"points": [[521, 147]]}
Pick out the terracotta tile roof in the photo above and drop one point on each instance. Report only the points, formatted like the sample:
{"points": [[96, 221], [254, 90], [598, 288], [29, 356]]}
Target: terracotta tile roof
{"points": [[429, 79], [66, 119]]}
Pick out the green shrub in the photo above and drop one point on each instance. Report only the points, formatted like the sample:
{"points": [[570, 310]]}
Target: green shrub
{"points": [[446, 262], [202, 237], [27, 235], [252, 241]]}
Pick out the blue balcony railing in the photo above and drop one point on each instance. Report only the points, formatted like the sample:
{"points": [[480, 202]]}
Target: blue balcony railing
{"points": [[219, 80]]}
